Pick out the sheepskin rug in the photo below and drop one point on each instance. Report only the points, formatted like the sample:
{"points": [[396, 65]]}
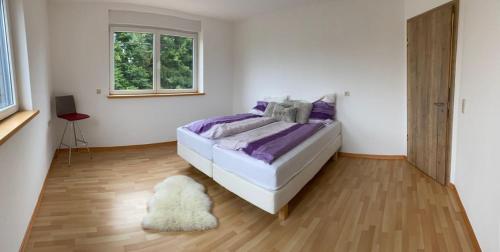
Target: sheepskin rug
{"points": [[179, 204]]}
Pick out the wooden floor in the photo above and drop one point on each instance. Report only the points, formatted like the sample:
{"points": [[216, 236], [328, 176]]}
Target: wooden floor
{"points": [[351, 205]]}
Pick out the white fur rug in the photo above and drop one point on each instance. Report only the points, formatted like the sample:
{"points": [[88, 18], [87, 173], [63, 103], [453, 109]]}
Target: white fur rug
{"points": [[179, 204]]}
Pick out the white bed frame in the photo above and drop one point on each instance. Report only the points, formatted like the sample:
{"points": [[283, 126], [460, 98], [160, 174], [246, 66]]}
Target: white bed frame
{"points": [[270, 201], [195, 159]]}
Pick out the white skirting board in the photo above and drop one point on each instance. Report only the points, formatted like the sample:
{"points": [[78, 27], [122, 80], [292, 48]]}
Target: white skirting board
{"points": [[195, 159], [273, 201]]}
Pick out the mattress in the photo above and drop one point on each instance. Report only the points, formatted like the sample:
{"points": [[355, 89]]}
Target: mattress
{"points": [[202, 146], [277, 174]]}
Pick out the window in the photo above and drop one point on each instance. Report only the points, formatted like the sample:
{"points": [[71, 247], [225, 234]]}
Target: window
{"points": [[152, 61], [8, 102]]}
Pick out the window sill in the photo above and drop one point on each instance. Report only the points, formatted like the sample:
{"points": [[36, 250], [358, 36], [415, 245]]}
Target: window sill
{"points": [[121, 96], [10, 125]]}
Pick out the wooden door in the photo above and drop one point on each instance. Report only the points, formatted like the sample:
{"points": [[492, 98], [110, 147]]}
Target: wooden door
{"points": [[431, 40]]}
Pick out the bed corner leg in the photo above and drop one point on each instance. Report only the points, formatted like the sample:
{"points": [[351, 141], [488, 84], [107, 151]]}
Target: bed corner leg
{"points": [[283, 213], [336, 157]]}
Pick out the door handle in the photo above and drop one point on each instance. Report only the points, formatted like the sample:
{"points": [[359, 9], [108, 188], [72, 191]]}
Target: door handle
{"points": [[440, 104]]}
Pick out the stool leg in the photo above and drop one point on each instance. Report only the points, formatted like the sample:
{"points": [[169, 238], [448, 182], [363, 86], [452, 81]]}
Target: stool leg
{"points": [[69, 146], [84, 140], [69, 155], [74, 134], [64, 133]]}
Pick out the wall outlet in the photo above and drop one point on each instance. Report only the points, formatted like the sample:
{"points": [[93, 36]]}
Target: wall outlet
{"points": [[98, 91], [347, 93]]}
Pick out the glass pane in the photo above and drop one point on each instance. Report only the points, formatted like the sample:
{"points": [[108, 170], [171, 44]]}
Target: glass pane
{"points": [[176, 55], [6, 94], [133, 60]]}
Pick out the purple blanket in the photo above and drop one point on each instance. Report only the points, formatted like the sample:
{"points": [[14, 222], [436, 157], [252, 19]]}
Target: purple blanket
{"points": [[274, 146], [201, 126]]}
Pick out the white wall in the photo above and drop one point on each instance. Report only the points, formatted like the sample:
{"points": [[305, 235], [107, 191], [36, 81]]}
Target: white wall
{"points": [[80, 60], [417, 7], [25, 158], [337, 46], [476, 170]]}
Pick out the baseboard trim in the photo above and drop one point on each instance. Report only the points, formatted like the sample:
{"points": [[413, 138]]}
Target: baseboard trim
{"points": [[170, 143], [475, 242], [115, 148], [376, 157], [37, 206]]}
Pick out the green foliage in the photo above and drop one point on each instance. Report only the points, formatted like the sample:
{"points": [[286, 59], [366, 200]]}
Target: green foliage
{"points": [[133, 59], [176, 55]]}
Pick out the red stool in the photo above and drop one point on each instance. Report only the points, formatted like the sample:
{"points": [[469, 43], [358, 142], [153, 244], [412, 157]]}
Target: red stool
{"points": [[66, 109]]}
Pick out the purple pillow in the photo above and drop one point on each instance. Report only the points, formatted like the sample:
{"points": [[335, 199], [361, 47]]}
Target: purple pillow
{"points": [[261, 106], [322, 111]]}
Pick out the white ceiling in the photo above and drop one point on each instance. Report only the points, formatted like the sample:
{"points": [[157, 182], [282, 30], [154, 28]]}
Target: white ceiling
{"points": [[223, 9]]}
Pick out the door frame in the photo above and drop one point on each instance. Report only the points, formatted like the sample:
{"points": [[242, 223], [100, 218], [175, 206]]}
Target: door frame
{"points": [[451, 96]]}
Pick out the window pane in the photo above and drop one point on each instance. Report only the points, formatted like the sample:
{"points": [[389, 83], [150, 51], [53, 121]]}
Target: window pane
{"points": [[6, 94], [133, 59], [176, 55]]}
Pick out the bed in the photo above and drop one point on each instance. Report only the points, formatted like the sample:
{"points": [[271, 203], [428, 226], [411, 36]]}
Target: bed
{"points": [[262, 159], [267, 186]]}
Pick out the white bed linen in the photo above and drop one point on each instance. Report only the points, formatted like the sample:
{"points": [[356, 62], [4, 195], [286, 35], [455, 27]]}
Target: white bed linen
{"points": [[233, 128], [196, 143], [240, 141], [277, 174]]}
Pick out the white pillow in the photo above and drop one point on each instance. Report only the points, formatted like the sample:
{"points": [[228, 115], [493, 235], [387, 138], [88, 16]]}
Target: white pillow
{"points": [[277, 99], [329, 98], [256, 112]]}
